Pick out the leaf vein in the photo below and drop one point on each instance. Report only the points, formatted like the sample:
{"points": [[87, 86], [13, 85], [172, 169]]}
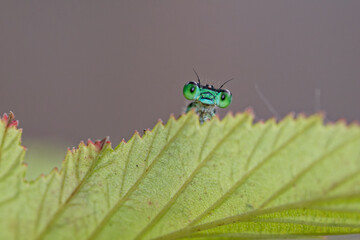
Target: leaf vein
{"points": [[287, 186], [63, 181], [126, 166], [237, 184], [186, 183], [41, 205], [63, 206], [186, 232], [12, 168], [111, 213], [150, 148]]}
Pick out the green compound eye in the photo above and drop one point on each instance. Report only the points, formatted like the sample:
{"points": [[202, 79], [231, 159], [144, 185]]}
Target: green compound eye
{"points": [[191, 91], [223, 98]]}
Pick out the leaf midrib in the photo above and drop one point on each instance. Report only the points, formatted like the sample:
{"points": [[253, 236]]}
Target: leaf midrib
{"points": [[185, 232]]}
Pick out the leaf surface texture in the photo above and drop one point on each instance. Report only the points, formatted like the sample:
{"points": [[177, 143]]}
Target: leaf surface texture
{"points": [[224, 179]]}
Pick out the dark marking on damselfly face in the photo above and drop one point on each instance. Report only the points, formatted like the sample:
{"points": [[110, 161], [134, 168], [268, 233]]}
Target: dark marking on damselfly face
{"points": [[206, 98]]}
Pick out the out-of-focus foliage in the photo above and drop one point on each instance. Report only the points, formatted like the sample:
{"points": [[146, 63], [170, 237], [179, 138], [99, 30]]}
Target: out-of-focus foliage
{"points": [[42, 156]]}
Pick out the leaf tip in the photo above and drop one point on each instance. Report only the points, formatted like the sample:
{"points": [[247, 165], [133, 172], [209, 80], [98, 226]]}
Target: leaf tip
{"points": [[318, 116], [340, 122], [147, 131], [9, 120], [355, 123], [272, 121], [230, 114], [99, 144], [261, 122], [290, 115], [250, 111], [172, 118], [301, 115], [322, 114], [217, 117]]}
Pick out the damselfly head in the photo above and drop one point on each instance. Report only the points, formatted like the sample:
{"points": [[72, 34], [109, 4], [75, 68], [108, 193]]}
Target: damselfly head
{"points": [[207, 94]]}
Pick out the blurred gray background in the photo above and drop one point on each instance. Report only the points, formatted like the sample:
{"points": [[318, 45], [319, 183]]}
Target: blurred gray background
{"points": [[73, 70]]}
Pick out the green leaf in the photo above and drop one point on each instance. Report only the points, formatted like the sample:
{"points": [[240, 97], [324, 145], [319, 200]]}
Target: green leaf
{"points": [[223, 179]]}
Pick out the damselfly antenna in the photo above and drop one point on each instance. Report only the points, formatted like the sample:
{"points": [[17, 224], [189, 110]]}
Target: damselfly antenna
{"points": [[197, 75], [226, 82]]}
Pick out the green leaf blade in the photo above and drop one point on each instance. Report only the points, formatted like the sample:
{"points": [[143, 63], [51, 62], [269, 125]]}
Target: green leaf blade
{"points": [[222, 179]]}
